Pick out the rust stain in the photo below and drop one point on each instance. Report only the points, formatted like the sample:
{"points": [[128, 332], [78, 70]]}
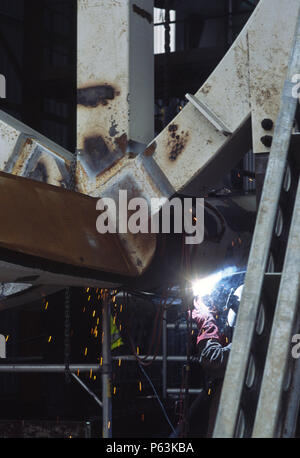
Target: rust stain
{"points": [[241, 57], [28, 141], [122, 142], [265, 95], [206, 89], [150, 150], [143, 13], [172, 128], [176, 142], [93, 96]]}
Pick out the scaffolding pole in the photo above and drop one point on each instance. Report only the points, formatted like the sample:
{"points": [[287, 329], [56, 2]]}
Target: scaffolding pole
{"points": [[159, 358], [106, 371], [50, 368], [165, 352]]}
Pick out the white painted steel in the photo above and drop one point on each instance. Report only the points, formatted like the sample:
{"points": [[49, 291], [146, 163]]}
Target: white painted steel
{"points": [[229, 407]]}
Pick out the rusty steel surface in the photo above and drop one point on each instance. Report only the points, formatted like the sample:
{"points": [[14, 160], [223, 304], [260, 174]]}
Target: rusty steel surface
{"points": [[25, 152], [115, 80], [115, 109], [56, 224], [241, 86], [115, 144], [270, 39], [115, 100]]}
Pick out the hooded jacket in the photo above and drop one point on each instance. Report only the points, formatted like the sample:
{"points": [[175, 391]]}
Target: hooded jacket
{"points": [[213, 350]]}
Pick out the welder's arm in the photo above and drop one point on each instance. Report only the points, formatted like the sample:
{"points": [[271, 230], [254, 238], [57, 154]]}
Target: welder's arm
{"points": [[212, 355]]}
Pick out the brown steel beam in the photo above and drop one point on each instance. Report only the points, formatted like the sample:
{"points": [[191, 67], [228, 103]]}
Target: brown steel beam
{"points": [[57, 225]]}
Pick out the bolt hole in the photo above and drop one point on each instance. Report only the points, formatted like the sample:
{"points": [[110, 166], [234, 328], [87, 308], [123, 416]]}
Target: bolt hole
{"points": [[261, 318], [241, 425], [270, 264], [279, 223], [287, 181], [251, 372]]}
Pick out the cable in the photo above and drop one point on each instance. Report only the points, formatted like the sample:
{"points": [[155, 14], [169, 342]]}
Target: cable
{"points": [[157, 397]]}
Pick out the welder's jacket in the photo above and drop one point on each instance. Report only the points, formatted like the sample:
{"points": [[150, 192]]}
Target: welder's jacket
{"points": [[213, 350]]}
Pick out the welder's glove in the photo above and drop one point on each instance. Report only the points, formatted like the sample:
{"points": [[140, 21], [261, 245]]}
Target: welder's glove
{"points": [[212, 355]]}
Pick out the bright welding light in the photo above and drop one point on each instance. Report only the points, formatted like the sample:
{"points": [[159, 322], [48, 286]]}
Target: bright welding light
{"points": [[206, 285], [200, 306]]}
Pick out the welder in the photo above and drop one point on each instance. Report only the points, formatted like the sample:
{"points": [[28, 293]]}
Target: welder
{"points": [[213, 344], [215, 316]]}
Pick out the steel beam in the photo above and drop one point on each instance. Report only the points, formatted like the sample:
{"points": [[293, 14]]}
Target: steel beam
{"points": [[115, 61], [51, 368], [230, 403], [269, 414], [56, 225], [181, 151], [25, 152], [270, 40], [115, 80], [115, 100]]}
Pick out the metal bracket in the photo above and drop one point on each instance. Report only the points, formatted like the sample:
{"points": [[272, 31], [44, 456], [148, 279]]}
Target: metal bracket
{"points": [[209, 114]]}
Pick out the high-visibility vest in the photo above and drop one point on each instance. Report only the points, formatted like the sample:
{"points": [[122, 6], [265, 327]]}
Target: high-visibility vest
{"points": [[115, 336]]}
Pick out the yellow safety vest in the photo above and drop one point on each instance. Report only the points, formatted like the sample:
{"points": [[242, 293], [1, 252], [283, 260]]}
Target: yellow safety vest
{"points": [[115, 339]]}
